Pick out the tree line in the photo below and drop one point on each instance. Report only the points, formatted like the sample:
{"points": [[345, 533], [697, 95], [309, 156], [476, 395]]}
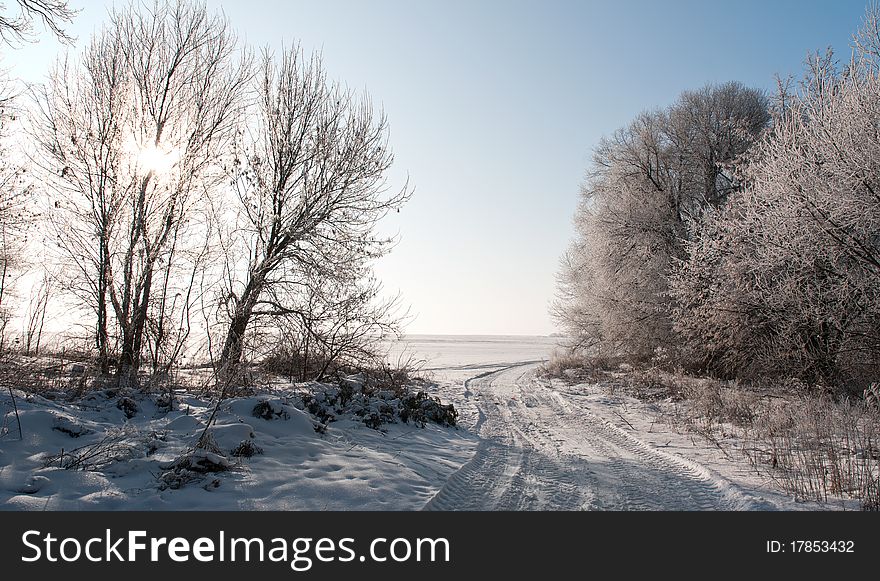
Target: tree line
{"points": [[738, 234], [192, 187]]}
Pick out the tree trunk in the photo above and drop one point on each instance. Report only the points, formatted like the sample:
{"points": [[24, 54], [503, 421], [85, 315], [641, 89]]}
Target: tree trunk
{"points": [[126, 371], [140, 318], [101, 330], [5, 259], [133, 335], [230, 358], [101, 335]]}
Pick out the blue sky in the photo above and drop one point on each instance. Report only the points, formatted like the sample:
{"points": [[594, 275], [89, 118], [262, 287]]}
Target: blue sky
{"points": [[495, 107]]}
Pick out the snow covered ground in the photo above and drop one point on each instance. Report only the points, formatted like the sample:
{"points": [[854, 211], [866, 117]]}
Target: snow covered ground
{"points": [[548, 445], [348, 467], [522, 443]]}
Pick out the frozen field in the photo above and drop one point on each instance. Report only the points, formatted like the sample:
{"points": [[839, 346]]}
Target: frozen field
{"points": [[450, 351]]}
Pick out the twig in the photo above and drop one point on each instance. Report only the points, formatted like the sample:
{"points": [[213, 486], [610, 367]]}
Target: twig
{"points": [[15, 407], [624, 419], [226, 378], [717, 444]]}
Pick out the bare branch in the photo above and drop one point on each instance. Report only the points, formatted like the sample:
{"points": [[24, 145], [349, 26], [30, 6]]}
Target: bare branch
{"points": [[54, 14]]}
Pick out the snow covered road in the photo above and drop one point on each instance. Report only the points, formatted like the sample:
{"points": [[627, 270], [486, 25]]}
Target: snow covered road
{"points": [[542, 449]]}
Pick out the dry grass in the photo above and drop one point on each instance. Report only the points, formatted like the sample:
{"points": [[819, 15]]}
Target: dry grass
{"points": [[577, 368], [815, 448], [811, 446], [117, 445]]}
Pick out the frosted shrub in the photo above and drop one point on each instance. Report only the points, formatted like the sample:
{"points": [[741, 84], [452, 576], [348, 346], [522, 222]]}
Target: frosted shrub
{"points": [[649, 184], [785, 278]]}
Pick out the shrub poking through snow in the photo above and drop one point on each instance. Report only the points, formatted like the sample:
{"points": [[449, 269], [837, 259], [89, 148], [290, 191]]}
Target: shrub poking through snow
{"points": [[206, 458], [246, 449], [117, 445], [67, 426], [269, 410], [165, 402], [375, 403], [421, 408], [191, 468], [128, 406]]}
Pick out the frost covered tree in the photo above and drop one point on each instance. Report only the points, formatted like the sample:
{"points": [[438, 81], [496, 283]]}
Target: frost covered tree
{"points": [[786, 278], [15, 212], [310, 189], [79, 127], [16, 204], [645, 195]]}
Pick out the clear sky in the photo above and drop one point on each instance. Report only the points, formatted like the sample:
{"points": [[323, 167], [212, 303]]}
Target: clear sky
{"points": [[495, 106]]}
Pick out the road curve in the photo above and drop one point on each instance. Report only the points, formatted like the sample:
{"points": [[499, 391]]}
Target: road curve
{"points": [[542, 450]]}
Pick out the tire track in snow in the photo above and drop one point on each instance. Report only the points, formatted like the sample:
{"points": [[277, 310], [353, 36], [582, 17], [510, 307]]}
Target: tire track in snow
{"points": [[539, 451], [712, 489], [507, 472]]}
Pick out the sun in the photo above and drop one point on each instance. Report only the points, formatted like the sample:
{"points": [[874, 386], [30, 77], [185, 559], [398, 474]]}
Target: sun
{"points": [[156, 159], [150, 157]]}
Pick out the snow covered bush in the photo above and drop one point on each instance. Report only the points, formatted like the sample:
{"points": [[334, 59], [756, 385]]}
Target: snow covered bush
{"points": [[115, 445], [192, 467], [421, 408], [786, 278], [269, 411], [246, 449], [374, 403]]}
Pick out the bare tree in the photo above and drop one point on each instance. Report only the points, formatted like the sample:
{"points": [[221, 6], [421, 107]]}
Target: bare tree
{"points": [[52, 13], [8, 258], [14, 194], [337, 324], [15, 211], [310, 191], [81, 126], [135, 136], [35, 318], [176, 297]]}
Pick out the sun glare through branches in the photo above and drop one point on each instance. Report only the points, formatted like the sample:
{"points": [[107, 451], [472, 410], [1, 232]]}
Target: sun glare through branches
{"points": [[158, 159]]}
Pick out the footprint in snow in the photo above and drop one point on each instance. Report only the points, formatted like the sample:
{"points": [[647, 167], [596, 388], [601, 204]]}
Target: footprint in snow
{"points": [[34, 485]]}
